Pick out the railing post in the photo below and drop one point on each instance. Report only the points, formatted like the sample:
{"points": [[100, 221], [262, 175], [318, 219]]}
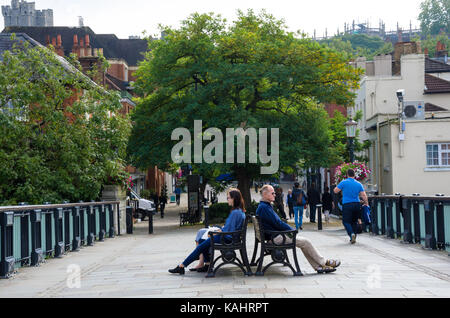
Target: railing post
{"points": [[76, 242], [319, 217], [398, 213], [66, 223], [91, 225], [7, 260], [118, 219], [440, 225], [112, 231], [374, 215], [24, 237], [36, 238], [416, 221], [82, 227], [48, 216], [430, 238], [59, 246], [102, 220], [407, 232], [383, 216], [389, 227]]}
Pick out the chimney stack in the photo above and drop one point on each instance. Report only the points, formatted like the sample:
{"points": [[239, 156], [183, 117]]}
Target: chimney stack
{"points": [[59, 48]]}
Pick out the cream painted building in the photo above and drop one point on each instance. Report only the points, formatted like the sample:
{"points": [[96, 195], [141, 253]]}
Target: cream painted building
{"points": [[408, 154]]}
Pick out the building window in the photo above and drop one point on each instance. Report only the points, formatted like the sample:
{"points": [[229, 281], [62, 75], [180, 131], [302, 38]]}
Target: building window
{"points": [[438, 154]]}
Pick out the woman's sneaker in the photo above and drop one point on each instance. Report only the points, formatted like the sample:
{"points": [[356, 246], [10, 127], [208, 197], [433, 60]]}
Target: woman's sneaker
{"points": [[353, 240]]}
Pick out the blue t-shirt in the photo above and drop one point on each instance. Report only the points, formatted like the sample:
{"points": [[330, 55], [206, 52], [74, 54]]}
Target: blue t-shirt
{"points": [[350, 190]]}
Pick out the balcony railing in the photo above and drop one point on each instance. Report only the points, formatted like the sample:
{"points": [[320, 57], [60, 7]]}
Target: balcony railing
{"points": [[29, 234]]}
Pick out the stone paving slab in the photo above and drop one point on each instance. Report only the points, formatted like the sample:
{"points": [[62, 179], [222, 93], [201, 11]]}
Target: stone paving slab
{"points": [[135, 266]]}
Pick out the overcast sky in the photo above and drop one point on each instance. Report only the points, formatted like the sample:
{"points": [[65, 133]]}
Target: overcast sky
{"points": [[132, 17]]}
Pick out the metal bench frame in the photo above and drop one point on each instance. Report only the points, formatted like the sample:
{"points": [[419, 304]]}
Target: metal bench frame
{"points": [[278, 252], [228, 250]]}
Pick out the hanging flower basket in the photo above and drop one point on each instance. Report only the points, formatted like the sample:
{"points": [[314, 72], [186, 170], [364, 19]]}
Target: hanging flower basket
{"points": [[361, 171]]}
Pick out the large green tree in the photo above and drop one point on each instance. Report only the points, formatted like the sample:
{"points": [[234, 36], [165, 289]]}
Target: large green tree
{"points": [[434, 17], [250, 74], [56, 143]]}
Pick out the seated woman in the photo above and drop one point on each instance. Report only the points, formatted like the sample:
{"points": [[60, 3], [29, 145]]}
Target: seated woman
{"points": [[233, 223]]}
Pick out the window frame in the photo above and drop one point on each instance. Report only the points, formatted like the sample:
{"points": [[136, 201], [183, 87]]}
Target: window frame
{"points": [[440, 153]]}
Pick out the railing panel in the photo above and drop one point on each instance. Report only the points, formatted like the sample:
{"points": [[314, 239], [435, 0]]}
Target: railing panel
{"points": [[422, 223], [447, 227], [17, 252]]}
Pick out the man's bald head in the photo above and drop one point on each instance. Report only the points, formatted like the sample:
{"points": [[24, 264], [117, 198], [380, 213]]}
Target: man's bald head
{"points": [[268, 193]]}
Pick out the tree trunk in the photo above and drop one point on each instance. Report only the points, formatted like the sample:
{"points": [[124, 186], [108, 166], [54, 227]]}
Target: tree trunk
{"points": [[244, 185]]}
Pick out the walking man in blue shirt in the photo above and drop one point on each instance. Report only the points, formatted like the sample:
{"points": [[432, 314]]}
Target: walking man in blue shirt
{"points": [[351, 206]]}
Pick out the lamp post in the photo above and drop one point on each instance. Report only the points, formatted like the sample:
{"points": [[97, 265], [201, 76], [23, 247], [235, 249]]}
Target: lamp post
{"points": [[350, 127]]}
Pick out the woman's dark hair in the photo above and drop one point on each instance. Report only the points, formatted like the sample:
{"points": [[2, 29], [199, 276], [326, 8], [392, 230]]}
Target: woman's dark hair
{"points": [[238, 200]]}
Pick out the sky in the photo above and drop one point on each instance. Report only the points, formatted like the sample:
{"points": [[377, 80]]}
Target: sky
{"points": [[132, 17]]}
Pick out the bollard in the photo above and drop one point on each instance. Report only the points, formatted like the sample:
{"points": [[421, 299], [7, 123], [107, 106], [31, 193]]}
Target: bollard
{"points": [[206, 209], [319, 216], [150, 223]]}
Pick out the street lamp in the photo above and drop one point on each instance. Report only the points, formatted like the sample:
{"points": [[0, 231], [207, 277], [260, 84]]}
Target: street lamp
{"points": [[350, 127]]}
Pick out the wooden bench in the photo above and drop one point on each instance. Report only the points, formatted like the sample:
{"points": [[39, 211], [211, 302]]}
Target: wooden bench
{"points": [[228, 248], [278, 252]]}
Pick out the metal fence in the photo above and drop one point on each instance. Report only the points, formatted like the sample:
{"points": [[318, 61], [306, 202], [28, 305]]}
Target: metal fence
{"points": [[29, 234], [413, 219]]}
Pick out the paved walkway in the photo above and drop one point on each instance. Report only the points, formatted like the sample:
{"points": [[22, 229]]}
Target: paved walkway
{"points": [[136, 266]]}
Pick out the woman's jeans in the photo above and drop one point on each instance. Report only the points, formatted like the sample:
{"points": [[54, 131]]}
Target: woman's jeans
{"points": [[351, 212], [202, 248], [298, 211]]}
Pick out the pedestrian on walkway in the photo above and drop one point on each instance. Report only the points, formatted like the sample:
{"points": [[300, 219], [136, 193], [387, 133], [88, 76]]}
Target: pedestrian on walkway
{"points": [[313, 200], [178, 194], [327, 203], [271, 222], [162, 202], [233, 223], [290, 203], [352, 190], [299, 198], [279, 202]]}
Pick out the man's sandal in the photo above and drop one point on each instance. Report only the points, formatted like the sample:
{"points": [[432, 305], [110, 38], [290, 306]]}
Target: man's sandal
{"points": [[333, 263], [325, 269]]}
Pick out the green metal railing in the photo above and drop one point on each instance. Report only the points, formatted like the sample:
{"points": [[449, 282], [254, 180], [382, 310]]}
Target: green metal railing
{"points": [[414, 219], [28, 234]]}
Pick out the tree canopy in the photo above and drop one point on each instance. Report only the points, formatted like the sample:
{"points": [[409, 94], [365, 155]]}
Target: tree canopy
{"points": [[434, 17], [250, 74], [55, 142]]}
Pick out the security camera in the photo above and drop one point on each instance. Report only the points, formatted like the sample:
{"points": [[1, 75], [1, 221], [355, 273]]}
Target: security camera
{"points": [[400, 95]]}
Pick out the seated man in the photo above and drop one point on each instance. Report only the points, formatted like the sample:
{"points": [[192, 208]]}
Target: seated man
{"points": [[271, 222]]}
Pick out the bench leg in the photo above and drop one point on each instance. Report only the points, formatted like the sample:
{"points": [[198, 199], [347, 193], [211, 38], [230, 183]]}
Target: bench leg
{"points": [[255, 252], [245, 262]]}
